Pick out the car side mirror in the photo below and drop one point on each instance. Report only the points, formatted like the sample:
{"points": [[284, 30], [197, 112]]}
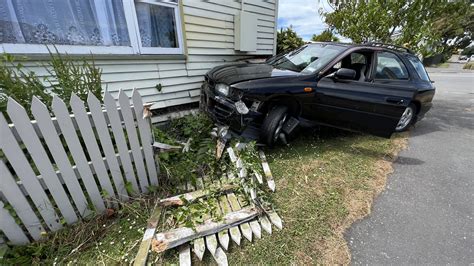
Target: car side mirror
{"points": [[345, 73]]}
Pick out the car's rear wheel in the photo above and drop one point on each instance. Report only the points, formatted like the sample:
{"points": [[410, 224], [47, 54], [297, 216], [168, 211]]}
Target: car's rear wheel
{"points": [[407, 119], [272, 126]]}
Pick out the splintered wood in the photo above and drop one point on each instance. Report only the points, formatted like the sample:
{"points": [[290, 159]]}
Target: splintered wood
{"points": [[242, 218]]}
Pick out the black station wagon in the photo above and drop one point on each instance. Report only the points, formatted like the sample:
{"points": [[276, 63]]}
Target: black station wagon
{"points": [[374, 88]]}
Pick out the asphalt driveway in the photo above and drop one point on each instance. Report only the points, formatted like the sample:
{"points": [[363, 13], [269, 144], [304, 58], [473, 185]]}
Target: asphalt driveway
{"points": [[426, 213]]}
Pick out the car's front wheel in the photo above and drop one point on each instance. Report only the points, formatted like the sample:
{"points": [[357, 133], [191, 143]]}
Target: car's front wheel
{"points": [[272, 126], [407, 119]]}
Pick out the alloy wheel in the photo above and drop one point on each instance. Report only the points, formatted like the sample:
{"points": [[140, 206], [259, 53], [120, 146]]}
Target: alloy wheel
{"points": [[405, 119], [276, 135]]}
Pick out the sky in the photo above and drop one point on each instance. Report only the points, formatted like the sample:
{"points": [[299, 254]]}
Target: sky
{"points": [[303, 15]]}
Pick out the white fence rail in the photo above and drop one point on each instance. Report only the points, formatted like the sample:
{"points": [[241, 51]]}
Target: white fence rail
{"points": [[55, 170]]}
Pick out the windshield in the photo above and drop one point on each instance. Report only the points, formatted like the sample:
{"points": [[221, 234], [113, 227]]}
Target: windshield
{"points": [[307, 59]]}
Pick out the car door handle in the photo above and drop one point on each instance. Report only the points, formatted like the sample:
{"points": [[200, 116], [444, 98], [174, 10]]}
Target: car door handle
{"points": [[394, 100]]}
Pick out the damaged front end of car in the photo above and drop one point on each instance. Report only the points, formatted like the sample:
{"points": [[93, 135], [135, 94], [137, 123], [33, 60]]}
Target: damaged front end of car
{"points": [[228, 105]]}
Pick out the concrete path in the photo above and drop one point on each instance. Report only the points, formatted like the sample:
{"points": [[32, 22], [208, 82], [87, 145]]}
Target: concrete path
{"points": [[426, 213]]}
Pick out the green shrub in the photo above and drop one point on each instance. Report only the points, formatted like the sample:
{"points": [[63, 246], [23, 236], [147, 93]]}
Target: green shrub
{"points": [[20, 84], [70, 76], [468, 50], [66, 76], [288, 40]]}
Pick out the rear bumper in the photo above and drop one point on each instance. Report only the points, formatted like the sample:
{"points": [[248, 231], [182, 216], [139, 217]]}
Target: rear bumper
{"points": [[425, 107], [223, 111]]}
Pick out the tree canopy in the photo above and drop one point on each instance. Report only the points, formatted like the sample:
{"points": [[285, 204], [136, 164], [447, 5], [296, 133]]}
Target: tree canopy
{"points": [[287, 40], [325, 36], [424, 26]]}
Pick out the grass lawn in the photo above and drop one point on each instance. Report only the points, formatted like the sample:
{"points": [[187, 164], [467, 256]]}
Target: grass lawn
{"points": [[325, 181]]}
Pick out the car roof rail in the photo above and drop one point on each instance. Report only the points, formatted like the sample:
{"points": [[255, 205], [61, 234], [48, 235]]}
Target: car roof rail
{"points": [[389, 46]]}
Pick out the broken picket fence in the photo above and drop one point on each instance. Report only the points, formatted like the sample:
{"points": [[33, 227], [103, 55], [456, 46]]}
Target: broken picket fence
{"points": [[59, 168], [241, 219]]}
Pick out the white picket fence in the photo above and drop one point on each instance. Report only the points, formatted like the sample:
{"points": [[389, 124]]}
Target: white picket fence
{"points": [[57, 169]]}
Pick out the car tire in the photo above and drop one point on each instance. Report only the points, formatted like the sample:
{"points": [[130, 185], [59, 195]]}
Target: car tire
{"points": [[272, 125], [407, 119]]}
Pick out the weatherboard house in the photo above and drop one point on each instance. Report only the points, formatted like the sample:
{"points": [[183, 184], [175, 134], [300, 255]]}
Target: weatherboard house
{"points": [[162, 48]]}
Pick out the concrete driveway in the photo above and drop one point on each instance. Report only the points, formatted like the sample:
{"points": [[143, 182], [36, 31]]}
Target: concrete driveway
{"points": [[426, 213]]}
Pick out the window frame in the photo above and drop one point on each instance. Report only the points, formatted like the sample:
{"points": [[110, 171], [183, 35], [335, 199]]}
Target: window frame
{"points": [[179, 32], [377, 54], [135, 47]]}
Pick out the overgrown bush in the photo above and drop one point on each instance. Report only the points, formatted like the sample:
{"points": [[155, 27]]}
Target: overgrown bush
{"points": [[20, 84], [468, 50], [66, 76], [69, 76]]}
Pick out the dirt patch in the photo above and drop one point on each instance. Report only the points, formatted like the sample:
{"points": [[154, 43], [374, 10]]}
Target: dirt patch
{"points": [[359, 205]]}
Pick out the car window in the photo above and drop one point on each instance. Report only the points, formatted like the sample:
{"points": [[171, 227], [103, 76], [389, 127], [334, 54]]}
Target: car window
{"points": [[307, 59], [357, 58], [418, 66], [389, 66], [357, 61]]}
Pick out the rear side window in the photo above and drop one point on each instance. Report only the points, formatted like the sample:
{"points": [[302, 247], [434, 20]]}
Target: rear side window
{"points": [[418, 66], [389, 66]]}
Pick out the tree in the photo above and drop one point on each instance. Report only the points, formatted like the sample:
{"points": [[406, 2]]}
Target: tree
{"points": [[468, 50], [425, 26], [325, 36], [287, 40], [456, 23]]}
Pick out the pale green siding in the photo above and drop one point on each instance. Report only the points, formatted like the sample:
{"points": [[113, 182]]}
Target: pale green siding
{"points": [[209, 38]]}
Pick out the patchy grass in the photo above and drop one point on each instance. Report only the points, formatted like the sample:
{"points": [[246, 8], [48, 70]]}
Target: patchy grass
{"points": [[325, 181], [469, 65]]}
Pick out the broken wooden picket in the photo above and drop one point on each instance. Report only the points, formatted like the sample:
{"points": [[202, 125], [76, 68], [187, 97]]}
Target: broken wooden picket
{"points": [[241, 219]]}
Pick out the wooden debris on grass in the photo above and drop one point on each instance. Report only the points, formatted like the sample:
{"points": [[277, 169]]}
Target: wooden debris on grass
{"points": [[266, 225], [163, 147], [239, 217], [192, 196], [199, 245], [181, 235], [220, 148], [235, 234], [152, 223], [211, 240], [185, 255], [220, 257], [266, 170]]}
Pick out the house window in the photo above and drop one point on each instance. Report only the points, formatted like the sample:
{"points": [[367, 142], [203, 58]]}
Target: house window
{"points": [[157, 25], [91, 26]]}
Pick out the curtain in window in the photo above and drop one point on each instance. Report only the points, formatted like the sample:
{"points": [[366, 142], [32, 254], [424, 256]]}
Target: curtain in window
{"points": [[157, 25], [70, 22]]}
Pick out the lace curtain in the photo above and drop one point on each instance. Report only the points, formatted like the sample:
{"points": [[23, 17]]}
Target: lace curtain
{"points": [[157, 25], [70, 22]]}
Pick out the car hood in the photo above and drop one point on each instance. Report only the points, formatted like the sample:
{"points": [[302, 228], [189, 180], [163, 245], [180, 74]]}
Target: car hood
{"points": [[231, 74]]}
